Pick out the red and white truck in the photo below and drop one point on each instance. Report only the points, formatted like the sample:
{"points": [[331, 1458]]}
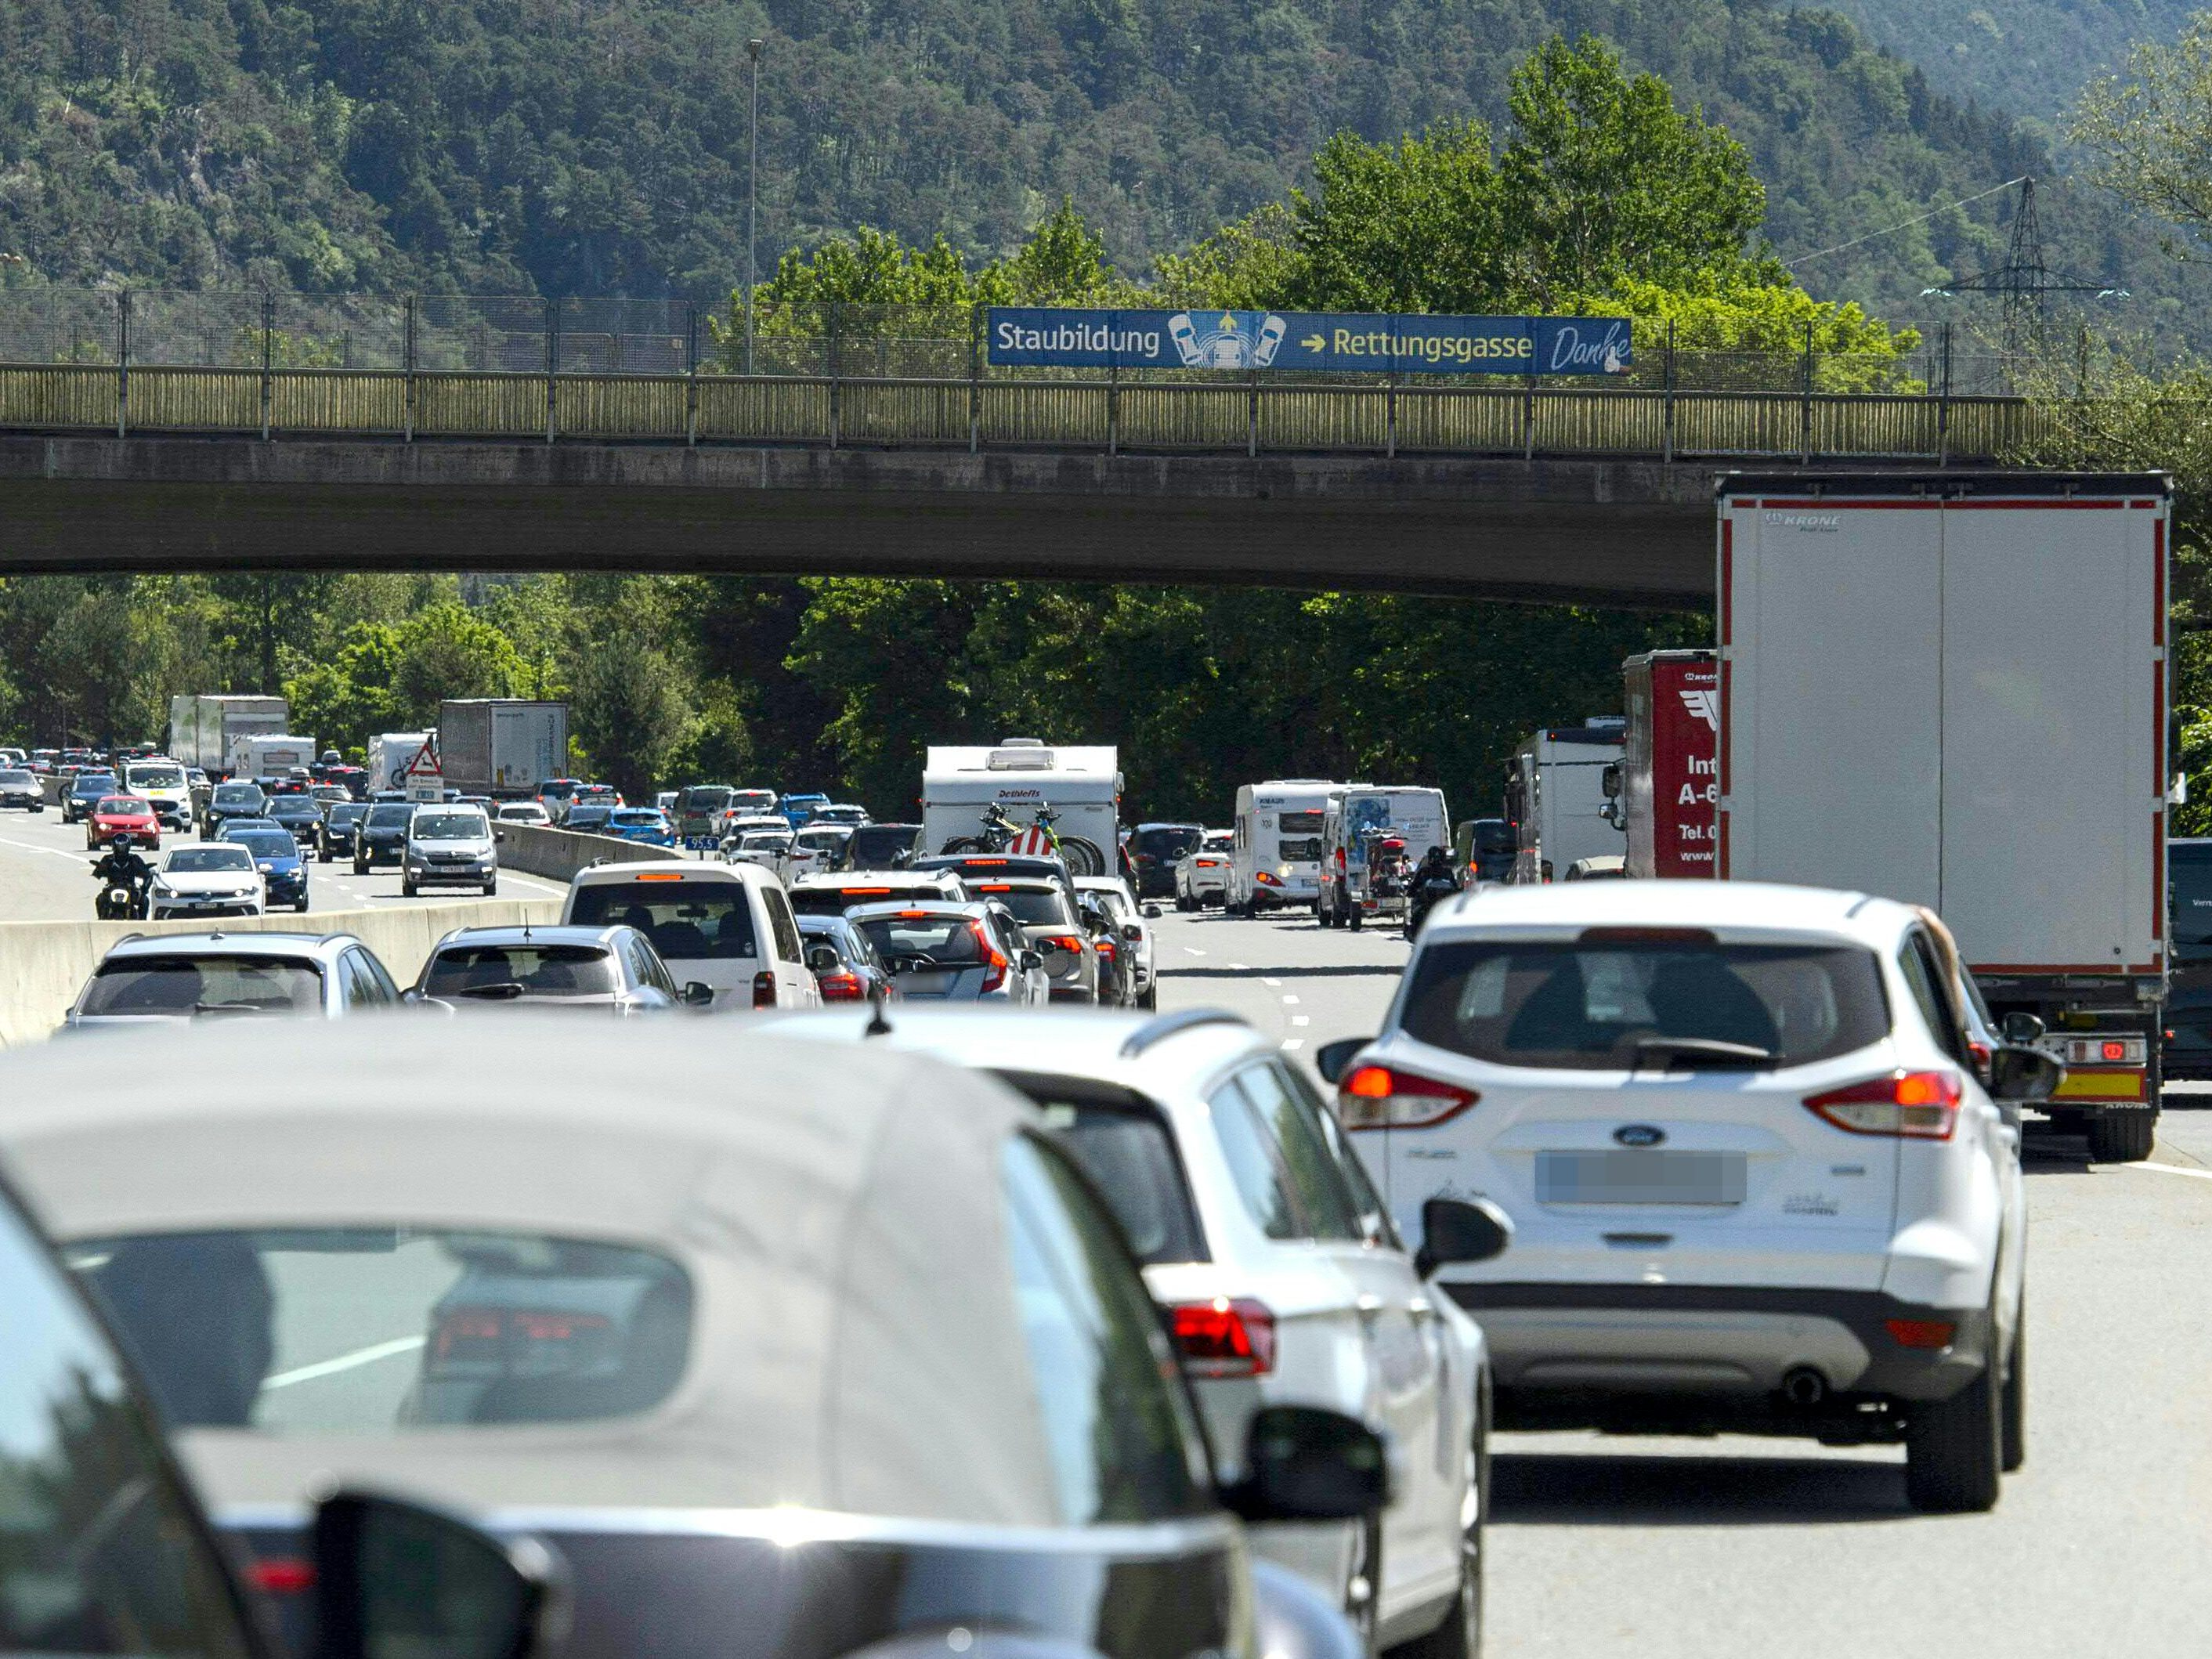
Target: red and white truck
{"points": [[1665, 788], [1952, 688]]}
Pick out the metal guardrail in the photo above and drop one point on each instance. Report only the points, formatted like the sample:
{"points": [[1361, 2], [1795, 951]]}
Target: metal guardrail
{"points": [[1251, 417]]}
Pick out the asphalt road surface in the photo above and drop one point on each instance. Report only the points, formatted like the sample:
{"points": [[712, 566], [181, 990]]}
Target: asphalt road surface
{"points": [[1708, 1549], [45, 875]]}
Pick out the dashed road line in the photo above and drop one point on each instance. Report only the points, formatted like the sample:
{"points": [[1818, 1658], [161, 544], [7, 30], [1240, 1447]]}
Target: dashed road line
{"points": [[345, 1362], [1290, 1002], [2170, 1169], [1294, 1042], [1240, 967], [1300, 1019], [1264, 980]]}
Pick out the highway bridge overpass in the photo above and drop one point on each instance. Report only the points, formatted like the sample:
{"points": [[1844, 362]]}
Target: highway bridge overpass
{"points": [[1602, 496]]}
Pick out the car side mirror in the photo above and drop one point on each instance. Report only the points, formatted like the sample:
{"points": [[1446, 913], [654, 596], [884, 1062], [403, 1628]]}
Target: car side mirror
{"points": [[2020, 1073], [2023, 1028], [823, 958], [1133, 933], [1151, 912], [394, 1578], [1030, 961], [1304, 1463], [1461, 1229], [1609, 781], [1333, 1060], [698, 994]]}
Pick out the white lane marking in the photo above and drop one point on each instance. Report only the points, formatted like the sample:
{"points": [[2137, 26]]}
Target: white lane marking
{"points": [[1193, 951], [57, 851], [1290, 1002], [2171, 1169], [345, 1362], [1300, 1019], [1294, 1042], [1240, 967], [1265, 981]]}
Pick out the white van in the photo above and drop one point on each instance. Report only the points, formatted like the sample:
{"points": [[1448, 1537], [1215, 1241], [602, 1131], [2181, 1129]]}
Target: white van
{"points": [[1357, 816], [1082, 787], [162, 784], [729, 926], [1275, 859]]}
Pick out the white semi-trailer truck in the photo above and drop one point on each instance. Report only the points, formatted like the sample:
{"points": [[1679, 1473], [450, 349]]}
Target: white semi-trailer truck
{"points": [[1953, 689]]}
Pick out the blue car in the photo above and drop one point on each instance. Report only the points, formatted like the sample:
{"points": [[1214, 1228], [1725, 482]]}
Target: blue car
{"points": [[277, 857], [648, 824], [799, 810]]}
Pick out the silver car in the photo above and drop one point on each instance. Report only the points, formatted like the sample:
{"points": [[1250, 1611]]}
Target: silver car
{"points": [[175, 978], [973, 952]]}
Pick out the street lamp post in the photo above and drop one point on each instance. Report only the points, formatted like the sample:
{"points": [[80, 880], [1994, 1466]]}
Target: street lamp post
{"points": [[753, 49]]}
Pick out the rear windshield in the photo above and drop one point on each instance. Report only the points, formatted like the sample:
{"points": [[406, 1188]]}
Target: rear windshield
{"points": [[386, 815], [705, 797], [237, 794], [495, 971], [1299, 824], [363, 1330], [265, 843], [213, 984], [835, 901], [1033, 906], [949, 940], [877, 845], [1495, 836], [1171, 841], [1125, 1146], [2191, 863], [686, 920], [1611, 1005]]}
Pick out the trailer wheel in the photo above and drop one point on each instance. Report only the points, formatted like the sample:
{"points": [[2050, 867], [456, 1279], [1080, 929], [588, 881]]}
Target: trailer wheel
{"points": [[2123, 1137]]}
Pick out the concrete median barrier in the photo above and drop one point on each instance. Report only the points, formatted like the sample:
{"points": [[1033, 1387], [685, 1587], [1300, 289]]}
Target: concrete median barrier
{"points": [[558, 855], [44, 965]]}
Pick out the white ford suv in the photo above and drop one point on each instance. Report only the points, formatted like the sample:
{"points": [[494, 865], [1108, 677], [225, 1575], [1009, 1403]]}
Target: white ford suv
{"points": [[1755, 1180]]}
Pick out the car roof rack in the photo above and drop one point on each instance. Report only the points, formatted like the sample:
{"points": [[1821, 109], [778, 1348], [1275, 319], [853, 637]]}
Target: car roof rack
{"points": [[1153, 1031]]}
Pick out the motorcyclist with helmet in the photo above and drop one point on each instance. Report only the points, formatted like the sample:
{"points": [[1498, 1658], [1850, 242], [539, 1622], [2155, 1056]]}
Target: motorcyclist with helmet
{"points": [[122, 869], [1434, 880]]}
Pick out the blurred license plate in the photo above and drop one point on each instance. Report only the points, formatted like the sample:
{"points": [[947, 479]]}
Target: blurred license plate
{"points": [[1639, 1177]]}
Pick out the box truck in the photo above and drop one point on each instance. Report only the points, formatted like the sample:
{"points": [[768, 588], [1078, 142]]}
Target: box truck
{"points": [[1081, 785], [1951, 688], [1555, 793], [201, 729], [1666, 786], [502, 746]]}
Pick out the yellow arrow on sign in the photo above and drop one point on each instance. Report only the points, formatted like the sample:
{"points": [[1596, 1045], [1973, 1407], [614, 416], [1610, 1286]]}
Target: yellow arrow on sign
{"points": [[1313, 342]]}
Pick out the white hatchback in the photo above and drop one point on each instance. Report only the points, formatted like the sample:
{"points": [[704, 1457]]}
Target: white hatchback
{"points": [[727, 925], [1757, 1183], [1279, 1274]]}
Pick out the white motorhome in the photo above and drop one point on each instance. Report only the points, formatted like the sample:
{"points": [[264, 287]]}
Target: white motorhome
{"points": [[1358, 815], [267, 755], [1082, 786], [1555, 793], [389, 754], [1275, 859]]}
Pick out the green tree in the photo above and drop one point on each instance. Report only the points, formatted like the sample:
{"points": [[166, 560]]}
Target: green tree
{"points": [[1416, 225], [1604, 180], [2148, 133], [632, 711], [448, 651]]}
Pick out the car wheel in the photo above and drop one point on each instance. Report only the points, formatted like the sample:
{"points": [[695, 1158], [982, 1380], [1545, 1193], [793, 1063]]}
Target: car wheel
{"points": [[301, 907], [1954, 1448], [359, 868], [1459, 1636], [2014, 1409], [2124, 1137], [1352, 919], [491, 889], [406, 888]]}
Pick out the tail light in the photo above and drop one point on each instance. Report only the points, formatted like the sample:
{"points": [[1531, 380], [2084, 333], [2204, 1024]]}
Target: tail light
{"points": [[994, 960], [1209, 864], [1225, 1337], [1105, 948], [517, 1342], [1910, 1105], [1386, 1097], [1920, 1332], [282, 1576], [764, 989], [841, 986], [1061, 942], [1265, 879]]}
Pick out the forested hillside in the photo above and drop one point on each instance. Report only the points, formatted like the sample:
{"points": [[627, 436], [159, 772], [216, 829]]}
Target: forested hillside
{"points": [[597, 146], [2027, 58]]}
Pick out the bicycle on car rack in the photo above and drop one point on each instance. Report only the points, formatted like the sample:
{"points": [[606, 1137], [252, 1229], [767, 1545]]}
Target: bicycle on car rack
{"points": [[1000, 834]]}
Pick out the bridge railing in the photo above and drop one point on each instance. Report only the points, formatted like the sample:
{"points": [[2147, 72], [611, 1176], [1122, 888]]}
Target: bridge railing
{"points": [[416, 368]]}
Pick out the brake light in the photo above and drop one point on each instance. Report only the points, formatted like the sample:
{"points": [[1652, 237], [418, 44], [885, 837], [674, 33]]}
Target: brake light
{"points": [[282, 1576], [658, 875], [1225, 1337], [2116, 1051], [994, 960], [1385, 1097], [1920, 1332], [993, 887], [764, 989], [1910, 1105], [1105, 948], [867, 892], [841, 986], [1061, 942], [1209, 864]]}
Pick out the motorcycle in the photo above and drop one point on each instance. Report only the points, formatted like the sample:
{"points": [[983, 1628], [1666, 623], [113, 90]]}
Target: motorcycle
{"points": [[1427, 894], [121, 901]]}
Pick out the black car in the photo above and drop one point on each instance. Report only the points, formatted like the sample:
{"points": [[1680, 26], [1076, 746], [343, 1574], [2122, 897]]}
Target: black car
{"points": [[334, 836], [85, 791], [1485, 848], [590, 819], [301, 814], [229, 801], [381, 837], [87, 1573], [1154, 850], [882, 846]]}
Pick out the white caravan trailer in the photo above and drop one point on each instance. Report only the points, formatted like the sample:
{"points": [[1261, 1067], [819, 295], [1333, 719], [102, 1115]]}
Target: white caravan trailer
{"points": [[1276, 856], [1082, 786]]}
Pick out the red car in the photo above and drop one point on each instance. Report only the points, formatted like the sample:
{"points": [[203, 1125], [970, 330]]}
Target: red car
{"points": [[121, 815]]}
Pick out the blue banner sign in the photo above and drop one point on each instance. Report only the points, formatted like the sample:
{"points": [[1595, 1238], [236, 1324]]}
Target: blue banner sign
{"points": [[1041, 338]]}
